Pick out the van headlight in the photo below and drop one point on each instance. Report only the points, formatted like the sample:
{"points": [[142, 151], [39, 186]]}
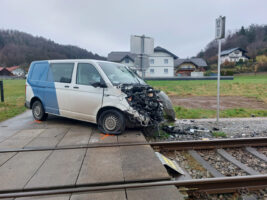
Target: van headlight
{"points": [[150, 94]]}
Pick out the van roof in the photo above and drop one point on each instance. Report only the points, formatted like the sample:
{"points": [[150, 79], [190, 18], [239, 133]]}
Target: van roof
{"points": [[70, 60]]}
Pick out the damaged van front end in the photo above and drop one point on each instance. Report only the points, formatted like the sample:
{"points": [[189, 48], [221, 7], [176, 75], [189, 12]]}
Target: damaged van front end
{"points": [[132, 103], [145, 108], [140, 104]]}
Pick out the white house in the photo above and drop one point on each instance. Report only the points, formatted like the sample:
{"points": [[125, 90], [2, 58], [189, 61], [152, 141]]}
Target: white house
{"points": [[161, 61], [233, 55], [18, 72]]}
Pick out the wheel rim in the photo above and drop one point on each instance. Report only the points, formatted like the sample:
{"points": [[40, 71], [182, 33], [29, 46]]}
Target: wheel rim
{"points": [[37, 111], [111, 122]]}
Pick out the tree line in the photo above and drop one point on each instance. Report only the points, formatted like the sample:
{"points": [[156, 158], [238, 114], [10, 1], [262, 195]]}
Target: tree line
{"points": [[253, 39], [19, 48]]}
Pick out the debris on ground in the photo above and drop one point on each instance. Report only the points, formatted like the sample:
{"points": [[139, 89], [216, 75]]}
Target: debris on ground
{"points": [[187, 130], [203, 129]]}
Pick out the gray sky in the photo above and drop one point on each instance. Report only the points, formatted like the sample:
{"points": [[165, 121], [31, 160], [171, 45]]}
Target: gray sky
{"points": [[183, 27]]}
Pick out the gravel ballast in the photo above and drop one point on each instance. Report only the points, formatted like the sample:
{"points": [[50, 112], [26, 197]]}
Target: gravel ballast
{"points": [[202, 129], [220, 164], [249, 159]]}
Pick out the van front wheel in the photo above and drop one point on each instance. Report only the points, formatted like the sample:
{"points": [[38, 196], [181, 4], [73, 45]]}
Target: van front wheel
{"points": [[111, 121], [38, 111]]}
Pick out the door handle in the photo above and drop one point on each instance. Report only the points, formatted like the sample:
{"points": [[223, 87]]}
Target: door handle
{"points": [[66, 86], [76, 87]]}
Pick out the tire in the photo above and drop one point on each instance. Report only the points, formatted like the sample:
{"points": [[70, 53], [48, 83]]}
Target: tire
{"points": [[38, 111], [111, 121]]}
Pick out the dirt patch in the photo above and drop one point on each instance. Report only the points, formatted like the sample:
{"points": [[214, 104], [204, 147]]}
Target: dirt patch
{"points": [[226, 102]]}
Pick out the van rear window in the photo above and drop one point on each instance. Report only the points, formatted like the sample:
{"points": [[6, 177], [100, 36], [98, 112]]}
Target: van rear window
{"points": [[60, 72], [39, 72]]}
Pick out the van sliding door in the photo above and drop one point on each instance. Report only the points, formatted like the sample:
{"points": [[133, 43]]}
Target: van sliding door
{"points": [[58, 90]]}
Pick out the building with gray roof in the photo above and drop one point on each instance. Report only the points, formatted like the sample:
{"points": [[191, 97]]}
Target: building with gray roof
{"points": [[184, 67], [161, 62]]}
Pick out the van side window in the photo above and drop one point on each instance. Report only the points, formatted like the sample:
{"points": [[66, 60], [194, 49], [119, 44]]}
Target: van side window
{"points": [[39, 72], [87, 74], [60, 72]]}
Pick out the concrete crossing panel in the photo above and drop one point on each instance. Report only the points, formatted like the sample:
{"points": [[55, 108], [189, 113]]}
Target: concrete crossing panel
{"points": [[77, 136], [61, 168], [154, 193], [140, 163], [98, 137], [48, 138], [101, 165], [21, 138], [101, 195], [17, 171], [131, 136], [49, 197]]}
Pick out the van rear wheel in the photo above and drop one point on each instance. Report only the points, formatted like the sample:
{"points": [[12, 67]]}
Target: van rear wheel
{"points": [[38, 111], [111, 121]]}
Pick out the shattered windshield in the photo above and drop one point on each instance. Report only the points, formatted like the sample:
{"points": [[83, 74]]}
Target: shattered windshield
{"points": [[120, 74]]}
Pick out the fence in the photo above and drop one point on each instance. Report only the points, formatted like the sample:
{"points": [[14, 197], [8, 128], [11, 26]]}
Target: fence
{"points": [[10, 77], [188, 78], [2, 90]]}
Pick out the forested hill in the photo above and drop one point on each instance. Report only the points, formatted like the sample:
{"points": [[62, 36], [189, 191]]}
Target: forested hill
{"points": [[253, 39], [19, 48]]}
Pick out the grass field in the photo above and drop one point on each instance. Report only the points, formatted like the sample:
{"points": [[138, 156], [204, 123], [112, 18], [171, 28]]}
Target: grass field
{"points": [[14, 91], [247, 86], [193, 113]]}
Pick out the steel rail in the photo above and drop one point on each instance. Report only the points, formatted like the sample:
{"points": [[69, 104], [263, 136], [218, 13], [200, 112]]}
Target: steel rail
{"points": [[169, 145], [209, 185], [210, 144]]}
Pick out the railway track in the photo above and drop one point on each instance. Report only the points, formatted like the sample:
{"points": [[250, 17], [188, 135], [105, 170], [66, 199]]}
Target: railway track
{"points": [[217, 183], [173, 145]]}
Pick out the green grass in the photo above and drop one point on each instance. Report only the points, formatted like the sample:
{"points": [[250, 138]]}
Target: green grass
{"points": [[194, 113], [247, 86], [14, 91], [219, 134]]}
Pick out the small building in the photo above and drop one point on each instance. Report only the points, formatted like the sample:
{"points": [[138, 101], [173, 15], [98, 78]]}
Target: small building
{"points": [[16, 70], [234, 55], [5, 72], [184, 67], [123, 57], [161, 62], [11, 71]]}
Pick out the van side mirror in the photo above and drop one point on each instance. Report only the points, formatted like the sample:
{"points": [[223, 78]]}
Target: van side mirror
{"points": [[101, 84]]}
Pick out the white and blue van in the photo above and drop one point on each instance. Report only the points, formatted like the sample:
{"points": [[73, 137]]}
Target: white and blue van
{"points": [[87, 90]]}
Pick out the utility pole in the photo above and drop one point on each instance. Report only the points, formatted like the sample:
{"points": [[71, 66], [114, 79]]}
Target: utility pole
{"points": [[220, 33], [142, 46], [218, 80], [142, 55]]}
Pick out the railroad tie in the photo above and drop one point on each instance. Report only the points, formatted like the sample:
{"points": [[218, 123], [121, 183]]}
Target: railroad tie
{"points": [[231, 159], [205, 164], [256, 153]]}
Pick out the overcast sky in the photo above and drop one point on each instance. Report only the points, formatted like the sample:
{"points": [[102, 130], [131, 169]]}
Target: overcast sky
{"points": [[184, 27]]}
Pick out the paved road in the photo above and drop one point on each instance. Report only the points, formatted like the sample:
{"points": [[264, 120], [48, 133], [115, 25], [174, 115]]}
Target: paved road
{"points": [[76, 167]]}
